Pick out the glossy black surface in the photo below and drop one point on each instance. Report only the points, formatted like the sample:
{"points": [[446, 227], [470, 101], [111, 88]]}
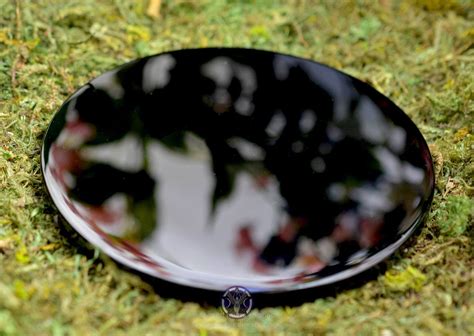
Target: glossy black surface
{"points": [[214, 168]]}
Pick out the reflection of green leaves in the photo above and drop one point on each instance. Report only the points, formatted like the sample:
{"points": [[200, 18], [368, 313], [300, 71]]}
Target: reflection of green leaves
{"points": [[144, 213], [225, 180], [175, 141]]}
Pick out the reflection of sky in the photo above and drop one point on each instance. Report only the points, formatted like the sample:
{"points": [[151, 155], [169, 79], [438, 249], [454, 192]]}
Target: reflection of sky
{"points": [[187, 235]]}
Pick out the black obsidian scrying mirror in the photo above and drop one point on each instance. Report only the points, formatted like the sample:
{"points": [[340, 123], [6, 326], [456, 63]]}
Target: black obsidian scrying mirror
{"points": [[213, 168]]}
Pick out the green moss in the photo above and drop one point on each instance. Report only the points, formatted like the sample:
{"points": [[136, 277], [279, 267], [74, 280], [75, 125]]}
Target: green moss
{"points": [[419, 53], [406, 279], [7, 323], [454, 215]]}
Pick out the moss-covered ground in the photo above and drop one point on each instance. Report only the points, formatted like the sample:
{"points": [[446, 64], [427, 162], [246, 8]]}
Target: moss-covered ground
{"points": [[420, 53]]}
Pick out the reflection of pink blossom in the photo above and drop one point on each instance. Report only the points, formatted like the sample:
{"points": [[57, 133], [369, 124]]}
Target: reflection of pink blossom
{"points": [[73, 208], [347, 227], [341, 233], [311, 263], [370, 232], [66, 160], [362, 229], [80, 129], [66, 152], [119, 244], [276, 281], [291, 228], [244, 241], [287, 235], [103, 214], [260, 266], [262, 180]]}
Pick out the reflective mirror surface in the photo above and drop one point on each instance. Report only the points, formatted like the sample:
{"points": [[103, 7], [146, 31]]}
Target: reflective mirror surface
{"points": [[214, 168]]}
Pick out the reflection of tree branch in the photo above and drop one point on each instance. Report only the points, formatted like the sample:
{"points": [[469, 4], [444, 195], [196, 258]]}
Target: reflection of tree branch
{"points": [[144, 213], [99, 182], [223, 158]]}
